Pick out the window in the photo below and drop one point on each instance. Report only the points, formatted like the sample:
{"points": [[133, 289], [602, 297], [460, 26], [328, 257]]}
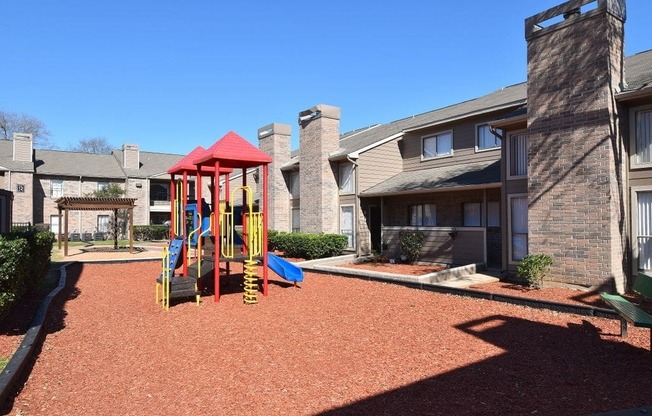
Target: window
{"points": [[346, 224], [643, 136], [102, 223], [422, 215], [101, 186], [56, 188], [296, 220], [20, 187], [493, 214], [54, 224], [644, 229], [437, 145], [472, 214], [485, 140], [294, 185], [517, 156], [518, 223], [346, 178]]}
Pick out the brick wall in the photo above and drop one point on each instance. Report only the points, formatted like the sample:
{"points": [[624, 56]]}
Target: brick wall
{"points": [[274, 139], [319, 136], [577, 208]]}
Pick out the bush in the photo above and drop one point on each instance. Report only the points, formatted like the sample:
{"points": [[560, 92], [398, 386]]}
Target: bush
{"points": [[14, 270], [305, 245], [533, 268], [411, 243], [151, 232], [24, 261]]}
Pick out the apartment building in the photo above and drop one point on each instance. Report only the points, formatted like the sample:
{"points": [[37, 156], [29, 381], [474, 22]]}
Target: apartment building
{"points": [[558, 165], [38, 177]]}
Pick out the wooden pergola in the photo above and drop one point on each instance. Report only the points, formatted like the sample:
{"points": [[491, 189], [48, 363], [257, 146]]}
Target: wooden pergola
{"points": [[81, 203]]}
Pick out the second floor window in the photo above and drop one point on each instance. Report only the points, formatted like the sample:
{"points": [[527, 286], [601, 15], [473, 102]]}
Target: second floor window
{"points": [[437, 145], [422, 215], [346, 178], [102, 186], [517, 154], [56, 188], [643, 136], [294, 185], [485, 139]]}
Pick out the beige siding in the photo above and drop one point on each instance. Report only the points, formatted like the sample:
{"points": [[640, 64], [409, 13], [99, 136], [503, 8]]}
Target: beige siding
{"points": [[464, 140], [378, 164]]}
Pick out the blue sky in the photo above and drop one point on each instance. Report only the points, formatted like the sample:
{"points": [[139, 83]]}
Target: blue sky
{"points": [[172, 75]]}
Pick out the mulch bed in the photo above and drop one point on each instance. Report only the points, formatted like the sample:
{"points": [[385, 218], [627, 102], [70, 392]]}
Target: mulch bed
{"points": [[334, 346]]}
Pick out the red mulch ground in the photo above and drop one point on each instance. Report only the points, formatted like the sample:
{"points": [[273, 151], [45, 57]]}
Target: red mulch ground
{"points": [[334, 346]]}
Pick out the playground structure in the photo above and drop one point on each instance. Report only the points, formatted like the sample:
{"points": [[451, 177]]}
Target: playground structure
{"points": [[202, 237]]}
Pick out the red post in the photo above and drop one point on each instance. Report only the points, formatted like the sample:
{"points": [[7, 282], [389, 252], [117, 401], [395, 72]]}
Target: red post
{"points": [[184, 189], [216, 233], [173, 220]]}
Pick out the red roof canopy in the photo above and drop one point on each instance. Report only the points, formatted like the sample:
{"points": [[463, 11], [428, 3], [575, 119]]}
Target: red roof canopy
{"points": [[186, 164], [233, 151]]}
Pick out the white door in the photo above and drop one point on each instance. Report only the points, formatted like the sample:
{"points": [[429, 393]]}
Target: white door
{"points": [[346, 223], [54, 224]]}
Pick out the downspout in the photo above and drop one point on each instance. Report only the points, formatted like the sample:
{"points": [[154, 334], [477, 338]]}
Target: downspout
{"points": [[79, 213], [357, 207]]}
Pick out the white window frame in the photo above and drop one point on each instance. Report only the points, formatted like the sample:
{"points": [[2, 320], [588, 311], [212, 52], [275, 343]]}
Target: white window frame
{"points": [[108, 223], [634, 208], [54, 222], [352, 223], [509, 226], [102, 186], [479, 212], [633, 157], [436, 137], [346, 171], [496, 138], [59, 189], [508, 144]]}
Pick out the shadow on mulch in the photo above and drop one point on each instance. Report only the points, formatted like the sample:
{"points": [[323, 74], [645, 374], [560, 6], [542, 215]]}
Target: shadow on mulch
{"points": [[19, 321], [544, 369]]}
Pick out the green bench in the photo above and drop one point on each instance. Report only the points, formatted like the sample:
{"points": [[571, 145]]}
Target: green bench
{"points": [[628, 311]]}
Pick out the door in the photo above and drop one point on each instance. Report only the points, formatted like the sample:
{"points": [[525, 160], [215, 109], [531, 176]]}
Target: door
{"points": [[346, 224], [375, 228]]}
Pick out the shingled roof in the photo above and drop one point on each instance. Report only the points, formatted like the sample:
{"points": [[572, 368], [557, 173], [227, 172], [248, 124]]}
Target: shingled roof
{"points": [[638, 72], [443, 178]]}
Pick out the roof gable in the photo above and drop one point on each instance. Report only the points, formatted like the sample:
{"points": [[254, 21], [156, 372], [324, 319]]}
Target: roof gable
{"points": [[234, 151]]}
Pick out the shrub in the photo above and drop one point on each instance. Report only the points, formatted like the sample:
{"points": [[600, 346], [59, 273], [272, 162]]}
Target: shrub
{"points": [[24, 261], [151, 232], [14, 270], [533, 268], [305, 245], [411, 243]]}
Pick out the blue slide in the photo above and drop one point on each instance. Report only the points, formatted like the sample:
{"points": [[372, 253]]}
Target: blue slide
{"points": [[284, 268]]}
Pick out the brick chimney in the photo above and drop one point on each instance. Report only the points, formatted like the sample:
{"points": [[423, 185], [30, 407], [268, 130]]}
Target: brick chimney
{"points": [[576, 173], [319, 136], [130, 156], [274, 139], [23, 147]]}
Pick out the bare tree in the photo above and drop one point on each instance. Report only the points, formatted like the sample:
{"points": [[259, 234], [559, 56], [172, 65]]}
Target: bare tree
{"points": [[11, 123], [98, 145]]}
